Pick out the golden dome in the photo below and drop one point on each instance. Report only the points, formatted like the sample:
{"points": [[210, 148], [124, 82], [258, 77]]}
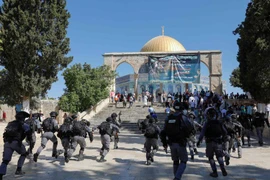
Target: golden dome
{"points": [[163, 44]]}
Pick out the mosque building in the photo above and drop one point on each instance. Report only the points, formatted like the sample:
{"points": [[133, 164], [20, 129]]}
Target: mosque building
{"points": [[163, 64]]}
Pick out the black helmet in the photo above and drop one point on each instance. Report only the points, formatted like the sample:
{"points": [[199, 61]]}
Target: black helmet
{"points": [[86, 122], [74, 116], [151, 120], [234, 116], [109, 119], [68, 120], [22, 115], [53, 114], [211, 113], [113, 115], [178, 106]]}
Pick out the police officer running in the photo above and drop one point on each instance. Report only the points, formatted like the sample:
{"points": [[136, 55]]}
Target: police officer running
{"points": [[259, 122], [116, 131], [105, 130], [192, 138], [214, 133], [65, 134], [34, 124], [79, 132], [177, 139], [151, 134], [50, 126], [14, 134]]}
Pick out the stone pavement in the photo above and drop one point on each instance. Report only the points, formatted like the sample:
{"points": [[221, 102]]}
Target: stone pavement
{"points": [[127, 163]]}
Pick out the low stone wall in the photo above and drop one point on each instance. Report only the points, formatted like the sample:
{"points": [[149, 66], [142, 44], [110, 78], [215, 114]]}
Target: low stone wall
{"points": [[89, 113]]}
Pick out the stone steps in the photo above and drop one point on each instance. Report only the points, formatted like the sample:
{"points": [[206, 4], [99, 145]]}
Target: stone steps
{"points": [[129, 117]]}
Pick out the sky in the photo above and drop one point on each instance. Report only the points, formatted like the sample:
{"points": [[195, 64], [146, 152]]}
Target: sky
{"points": [[103, 26]]}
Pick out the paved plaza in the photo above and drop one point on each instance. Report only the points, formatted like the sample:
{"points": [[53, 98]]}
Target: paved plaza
{"points": [[127, 163]]}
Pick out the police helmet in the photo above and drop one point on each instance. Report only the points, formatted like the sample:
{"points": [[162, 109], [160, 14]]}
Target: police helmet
{"points": [[74, 116], [211, 113], [109, 119], [151, 120], [22, 115], [53, 114], [113, 115], [178, 106], [86, 122], [68, 120], [234, 116], [192, 114]]}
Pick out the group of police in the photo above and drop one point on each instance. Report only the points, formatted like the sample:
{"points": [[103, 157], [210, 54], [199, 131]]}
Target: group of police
{"points": [[71, 133], [222, 135]]}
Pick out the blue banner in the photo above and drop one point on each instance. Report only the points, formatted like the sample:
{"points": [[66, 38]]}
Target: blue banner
{"points": [[175, 68]]}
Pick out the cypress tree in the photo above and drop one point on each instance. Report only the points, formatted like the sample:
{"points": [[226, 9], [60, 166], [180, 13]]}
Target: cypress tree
{"points": [[34, 47]]}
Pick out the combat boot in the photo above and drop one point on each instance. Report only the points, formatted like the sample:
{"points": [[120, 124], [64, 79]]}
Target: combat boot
{"points": [[227, 160], [66, 159], [19, 171], [35, 157], [80, 158], [101, 159], [214, 174], [224, 172]]}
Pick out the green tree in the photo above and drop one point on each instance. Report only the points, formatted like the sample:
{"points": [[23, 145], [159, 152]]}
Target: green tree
{"points": [[35, 47], [235, 78], [86, 86], [254, 50]]}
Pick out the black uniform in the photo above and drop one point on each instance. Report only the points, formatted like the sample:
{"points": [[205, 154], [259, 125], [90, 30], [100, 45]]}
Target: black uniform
{"points": [[259, 122], [34, 124], [174, 136], [246, 122], [105, 130], [65, 134], [14, 134], [116, 131], [50, 126], [79, 133], [151, 134], [214, 133]]}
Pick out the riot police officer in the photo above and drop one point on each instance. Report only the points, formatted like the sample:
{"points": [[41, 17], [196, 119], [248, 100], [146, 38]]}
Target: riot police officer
{"points": [[50, 126], [151, 134], [192, 138], [79, 131], [173, 135], [116, 131], [259, 123], [34, 124], [105, 130], [13, 136], [65, 134], [214, 133]]}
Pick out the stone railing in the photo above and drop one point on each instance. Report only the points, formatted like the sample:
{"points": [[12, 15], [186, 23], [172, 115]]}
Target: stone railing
{"points": [[89, 113]]}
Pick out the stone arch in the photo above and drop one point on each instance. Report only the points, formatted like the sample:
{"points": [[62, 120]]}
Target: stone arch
{"points": [[212, 60]]}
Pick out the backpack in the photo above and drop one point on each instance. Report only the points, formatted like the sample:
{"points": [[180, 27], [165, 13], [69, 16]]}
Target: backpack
{"points": [[78, 129], [105, 128], [13, 131], [32, 124], [65, 130], [213, 129], [47, 125], [229, 127], [178, 127], [151, 131]]}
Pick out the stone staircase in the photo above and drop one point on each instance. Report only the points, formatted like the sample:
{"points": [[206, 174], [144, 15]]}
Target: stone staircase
{"points": [[130, 116]]}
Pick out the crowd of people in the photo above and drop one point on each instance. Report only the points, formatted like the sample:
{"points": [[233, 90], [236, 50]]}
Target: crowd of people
{"points": [[208, 116], [222, 126]]}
